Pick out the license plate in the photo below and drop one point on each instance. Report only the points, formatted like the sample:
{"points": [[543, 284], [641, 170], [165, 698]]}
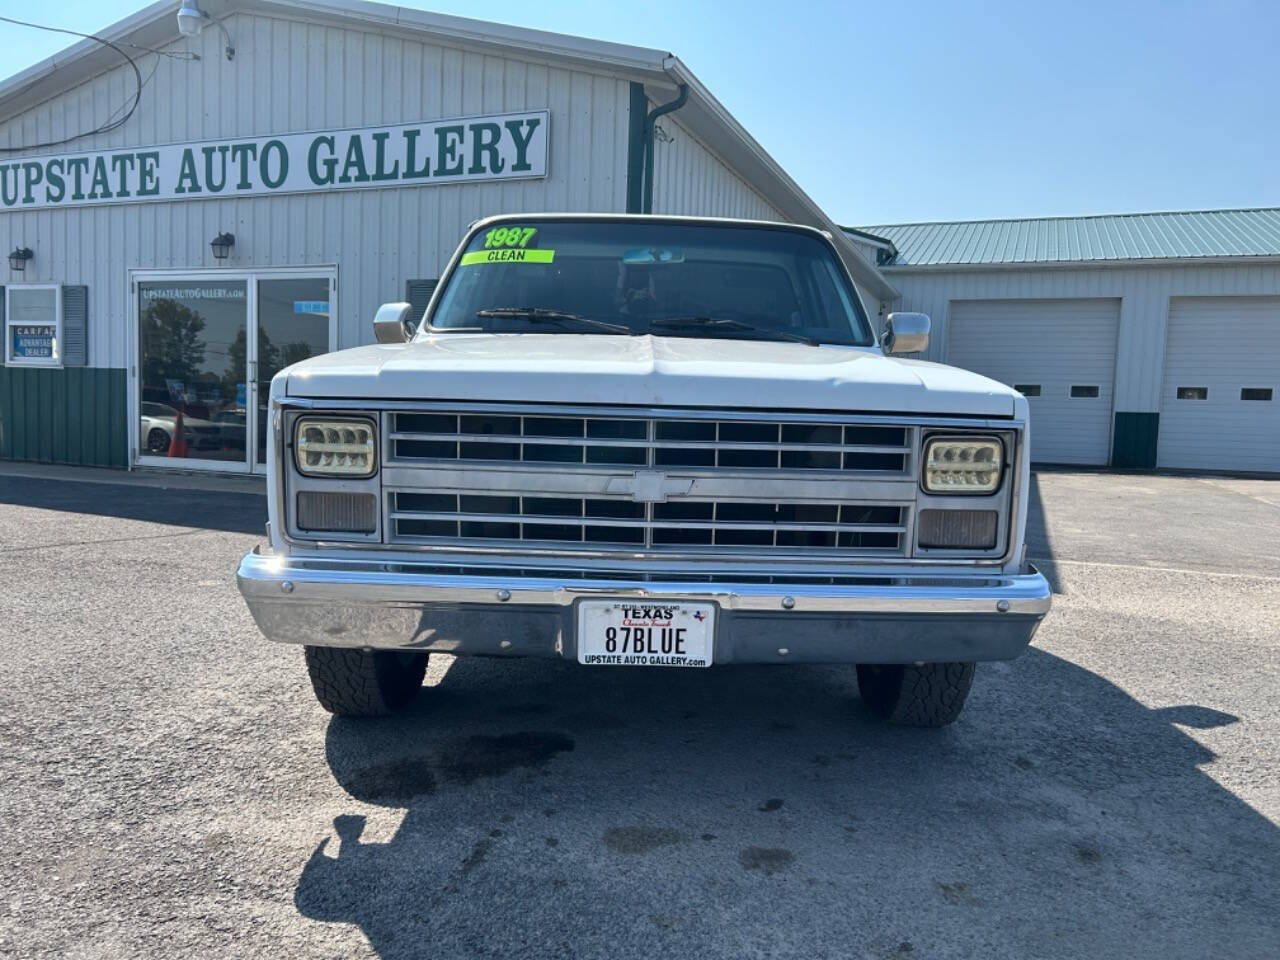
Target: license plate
{"points": [[638, 633]]}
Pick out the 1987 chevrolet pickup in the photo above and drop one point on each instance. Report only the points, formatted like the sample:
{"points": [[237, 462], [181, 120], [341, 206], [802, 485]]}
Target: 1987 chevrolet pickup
{"points": [[647, 442]]}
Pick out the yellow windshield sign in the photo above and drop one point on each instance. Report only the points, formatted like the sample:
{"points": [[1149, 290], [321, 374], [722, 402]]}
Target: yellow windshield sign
{"points": [[508, 256]]}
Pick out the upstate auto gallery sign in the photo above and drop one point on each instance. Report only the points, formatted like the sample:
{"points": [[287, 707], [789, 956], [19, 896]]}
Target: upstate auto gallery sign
{"points": [[505, 147]]}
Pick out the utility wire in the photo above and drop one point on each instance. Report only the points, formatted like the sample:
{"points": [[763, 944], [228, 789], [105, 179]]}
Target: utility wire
{"points": [[108, 125], [150, 74], [171, 54]]}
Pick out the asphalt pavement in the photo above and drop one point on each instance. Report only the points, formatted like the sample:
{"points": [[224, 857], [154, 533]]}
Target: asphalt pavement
{"points": [[169, 787]]}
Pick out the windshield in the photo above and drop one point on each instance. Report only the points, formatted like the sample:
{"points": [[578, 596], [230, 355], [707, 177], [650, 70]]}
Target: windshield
{"points": [[668, 279]]}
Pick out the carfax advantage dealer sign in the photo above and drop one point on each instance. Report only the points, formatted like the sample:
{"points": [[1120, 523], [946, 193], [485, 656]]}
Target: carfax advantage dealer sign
{"points": [[510, 146]]}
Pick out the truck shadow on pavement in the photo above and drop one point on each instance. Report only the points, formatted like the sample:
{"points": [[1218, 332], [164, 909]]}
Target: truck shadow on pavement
{"points": [[1039, 543], [551, 810]]}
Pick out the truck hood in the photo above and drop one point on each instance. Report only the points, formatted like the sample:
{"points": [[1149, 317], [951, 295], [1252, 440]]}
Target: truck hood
{"points": [[646, 371]]}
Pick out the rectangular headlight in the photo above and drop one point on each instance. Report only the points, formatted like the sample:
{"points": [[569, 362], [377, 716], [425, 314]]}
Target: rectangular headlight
{"points": [[962, 465], [332, 447]]}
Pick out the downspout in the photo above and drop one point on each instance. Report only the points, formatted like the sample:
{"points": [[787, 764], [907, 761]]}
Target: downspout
{"points": [[650, 121]]}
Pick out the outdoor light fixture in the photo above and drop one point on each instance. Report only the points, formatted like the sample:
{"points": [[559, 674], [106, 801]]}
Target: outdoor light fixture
{"points": [[191, 20], [221, 244], [18, 259]]}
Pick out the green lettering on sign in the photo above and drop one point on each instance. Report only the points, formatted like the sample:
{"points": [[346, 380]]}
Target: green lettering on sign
{"points": [[448, 159], [501, 147], [188, 178], [57, 188], [522, 134], [485, 137], [314, 163], [353, 170], [148, 185], [507, 256], [276, 148]]}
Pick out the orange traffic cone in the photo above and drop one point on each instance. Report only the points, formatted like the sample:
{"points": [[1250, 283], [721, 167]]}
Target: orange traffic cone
{"points": [[178, 445]]}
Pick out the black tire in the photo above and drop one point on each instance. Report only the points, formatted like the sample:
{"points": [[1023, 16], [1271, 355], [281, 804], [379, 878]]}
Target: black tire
{"points": [[360, 683], [157, 441], [930, 695]]}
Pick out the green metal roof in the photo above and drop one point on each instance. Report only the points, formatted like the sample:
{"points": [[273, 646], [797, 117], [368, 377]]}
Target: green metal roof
{"points": [[1129, 236]]}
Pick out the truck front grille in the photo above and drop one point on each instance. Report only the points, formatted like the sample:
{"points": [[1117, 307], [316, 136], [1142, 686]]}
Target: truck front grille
{"points": [[615, 522], [686, 483], [635, 441]]}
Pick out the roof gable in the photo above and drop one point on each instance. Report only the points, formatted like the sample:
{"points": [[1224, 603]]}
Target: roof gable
{"points": [[659, 71]]}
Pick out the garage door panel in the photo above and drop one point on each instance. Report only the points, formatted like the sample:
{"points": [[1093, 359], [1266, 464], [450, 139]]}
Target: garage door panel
{"points": [[1053, 344], [1222, 345]]}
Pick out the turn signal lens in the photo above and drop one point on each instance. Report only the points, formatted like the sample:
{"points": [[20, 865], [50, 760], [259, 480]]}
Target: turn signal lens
{"points": [[962, 465], [335, 448]]}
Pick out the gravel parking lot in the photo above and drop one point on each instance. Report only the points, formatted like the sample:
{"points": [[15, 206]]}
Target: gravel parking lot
{"points": [[168, 786]]}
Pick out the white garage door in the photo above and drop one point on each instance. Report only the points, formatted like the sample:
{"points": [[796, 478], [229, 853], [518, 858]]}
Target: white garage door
{"points": [[1060, 353], [1221, 403]]}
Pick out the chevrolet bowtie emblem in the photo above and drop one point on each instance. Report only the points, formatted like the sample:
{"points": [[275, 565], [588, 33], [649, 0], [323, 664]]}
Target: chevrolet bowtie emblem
{"points": [[650, 486]]}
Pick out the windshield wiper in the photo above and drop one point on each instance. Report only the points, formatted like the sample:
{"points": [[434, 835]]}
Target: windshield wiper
{"points": [[725, 323], [542, 315]]}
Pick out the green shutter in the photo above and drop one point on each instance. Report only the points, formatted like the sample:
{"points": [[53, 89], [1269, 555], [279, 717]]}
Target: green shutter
{"points": [[75, 326]]}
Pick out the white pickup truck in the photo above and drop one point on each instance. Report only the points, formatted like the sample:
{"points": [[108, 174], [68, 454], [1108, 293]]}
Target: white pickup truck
{"points": [[645, 442]]}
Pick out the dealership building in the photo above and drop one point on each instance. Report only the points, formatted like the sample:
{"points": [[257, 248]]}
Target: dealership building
{"points": [[245, 190], [287, 169], [1144, 340]]}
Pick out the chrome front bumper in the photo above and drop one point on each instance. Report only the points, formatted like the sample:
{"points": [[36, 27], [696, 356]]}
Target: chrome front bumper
{"points": [[883, 619]]}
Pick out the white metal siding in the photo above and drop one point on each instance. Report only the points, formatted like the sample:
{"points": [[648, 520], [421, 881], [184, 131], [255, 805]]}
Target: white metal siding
{"points": [[1223, 344], [295, 76], [1055, 345], [688, 178], [1144, 293]]}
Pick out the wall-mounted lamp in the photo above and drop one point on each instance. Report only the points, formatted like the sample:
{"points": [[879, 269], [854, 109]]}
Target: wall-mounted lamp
{"points": [[221, 245], [18, 259], [191, 20]]}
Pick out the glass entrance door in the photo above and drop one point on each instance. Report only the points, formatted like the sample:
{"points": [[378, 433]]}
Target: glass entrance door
{"points": [[207, 348], [192, 336], [293, 324]]}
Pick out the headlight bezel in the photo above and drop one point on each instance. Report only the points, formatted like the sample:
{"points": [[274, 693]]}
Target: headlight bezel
{"points": [[299, 446], [1001, 467]]}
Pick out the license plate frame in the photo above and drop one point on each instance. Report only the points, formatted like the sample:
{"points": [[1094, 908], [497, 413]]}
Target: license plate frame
{"points": [[656, 633]]}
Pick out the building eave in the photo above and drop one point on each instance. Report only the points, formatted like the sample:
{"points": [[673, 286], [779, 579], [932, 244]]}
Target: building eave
{"points": [[1236, 261], [658, 70]]}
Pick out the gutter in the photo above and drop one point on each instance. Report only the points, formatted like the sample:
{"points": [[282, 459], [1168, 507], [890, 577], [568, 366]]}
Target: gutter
{"points": [[651, 121], [885, 249], [1248, 260]]}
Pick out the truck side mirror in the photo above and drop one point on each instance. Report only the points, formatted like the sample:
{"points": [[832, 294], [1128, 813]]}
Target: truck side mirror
{"points": [[393, 323], [905, 333]]}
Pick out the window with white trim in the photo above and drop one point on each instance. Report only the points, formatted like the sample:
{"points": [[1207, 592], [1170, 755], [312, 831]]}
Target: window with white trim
{"points": [[33, 325]]}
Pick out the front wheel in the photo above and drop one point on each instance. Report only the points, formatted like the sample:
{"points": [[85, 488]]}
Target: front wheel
{"points": [[364, 683], [928, 695], [157, 441]]}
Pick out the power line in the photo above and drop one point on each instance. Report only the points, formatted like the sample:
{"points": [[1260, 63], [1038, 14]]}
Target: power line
{"points": [[109, 124], [154, 66], [172, 54]]}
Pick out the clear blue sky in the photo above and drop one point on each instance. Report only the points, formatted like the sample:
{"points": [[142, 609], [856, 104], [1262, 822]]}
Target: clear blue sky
{"points": [[892, 112]]}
